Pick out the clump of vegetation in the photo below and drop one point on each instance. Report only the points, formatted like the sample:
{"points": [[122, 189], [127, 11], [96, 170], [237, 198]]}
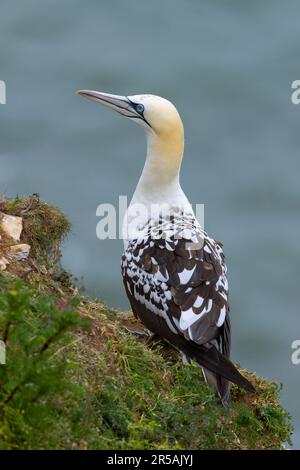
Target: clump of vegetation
{"points": [[75, 378], [35, 383], [44, 229], [145, 398]]}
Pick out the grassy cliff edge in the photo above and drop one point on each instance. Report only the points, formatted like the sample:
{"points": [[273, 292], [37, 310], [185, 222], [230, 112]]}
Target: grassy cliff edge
{"points": [[75, 378]]}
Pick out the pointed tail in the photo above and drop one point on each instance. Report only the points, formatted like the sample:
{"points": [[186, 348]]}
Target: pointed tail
{"points": [[214, 361]]}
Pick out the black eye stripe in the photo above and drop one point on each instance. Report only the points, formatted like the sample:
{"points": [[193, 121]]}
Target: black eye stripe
{"points": [[141, 113], [137, 106]]}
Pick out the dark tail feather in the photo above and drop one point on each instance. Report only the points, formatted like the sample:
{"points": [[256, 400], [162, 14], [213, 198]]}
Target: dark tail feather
{"points": [[210, 358], [220, 385], [216, 362]]}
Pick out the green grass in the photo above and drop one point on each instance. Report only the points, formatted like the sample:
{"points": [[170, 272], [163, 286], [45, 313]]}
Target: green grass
{"points": [[95, 386], [76, 379]]}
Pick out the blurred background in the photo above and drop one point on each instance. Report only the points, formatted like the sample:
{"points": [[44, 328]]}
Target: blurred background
{"points": [[228, 67]]}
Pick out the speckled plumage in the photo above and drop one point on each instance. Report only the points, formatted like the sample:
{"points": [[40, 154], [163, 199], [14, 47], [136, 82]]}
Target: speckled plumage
{"points": [[174, 273], [175, 278], [179, 273]]}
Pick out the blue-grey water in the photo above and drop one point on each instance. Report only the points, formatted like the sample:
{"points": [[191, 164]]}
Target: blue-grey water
{"points": [[228, 66]]}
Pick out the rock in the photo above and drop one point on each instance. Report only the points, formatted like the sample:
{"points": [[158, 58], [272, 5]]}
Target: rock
{"points": [[3, 263], [18, 252], [11, 225], [11, 228]]}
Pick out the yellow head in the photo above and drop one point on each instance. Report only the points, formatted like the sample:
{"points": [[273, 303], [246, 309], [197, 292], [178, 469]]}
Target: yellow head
{"points": [[158, 116]]}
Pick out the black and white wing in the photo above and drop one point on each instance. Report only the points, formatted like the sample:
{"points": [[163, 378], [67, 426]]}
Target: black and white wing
{"points": [[175, 279]]}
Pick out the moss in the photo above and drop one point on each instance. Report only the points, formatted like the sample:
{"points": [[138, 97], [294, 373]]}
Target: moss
{"points": [[126, 392], [145, 398]]}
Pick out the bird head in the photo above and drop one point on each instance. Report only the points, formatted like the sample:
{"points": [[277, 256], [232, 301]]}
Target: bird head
{"points": [[155, 114]]}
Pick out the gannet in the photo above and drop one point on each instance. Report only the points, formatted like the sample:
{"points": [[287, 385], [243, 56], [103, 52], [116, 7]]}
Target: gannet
{"points": [[174, 274]]}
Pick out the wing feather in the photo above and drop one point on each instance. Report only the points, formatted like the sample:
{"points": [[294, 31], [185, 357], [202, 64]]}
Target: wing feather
{"points": [[181, 283]]}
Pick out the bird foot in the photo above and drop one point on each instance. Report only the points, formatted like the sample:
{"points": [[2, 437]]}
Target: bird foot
{"points": [[142, 333]]}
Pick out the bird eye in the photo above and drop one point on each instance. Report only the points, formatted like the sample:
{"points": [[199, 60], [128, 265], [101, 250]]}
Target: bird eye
{"points": [[140, 108]]}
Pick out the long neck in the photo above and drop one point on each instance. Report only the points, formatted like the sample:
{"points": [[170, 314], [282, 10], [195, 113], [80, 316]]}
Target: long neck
{"points": [[158, 190], [159, 181]]}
